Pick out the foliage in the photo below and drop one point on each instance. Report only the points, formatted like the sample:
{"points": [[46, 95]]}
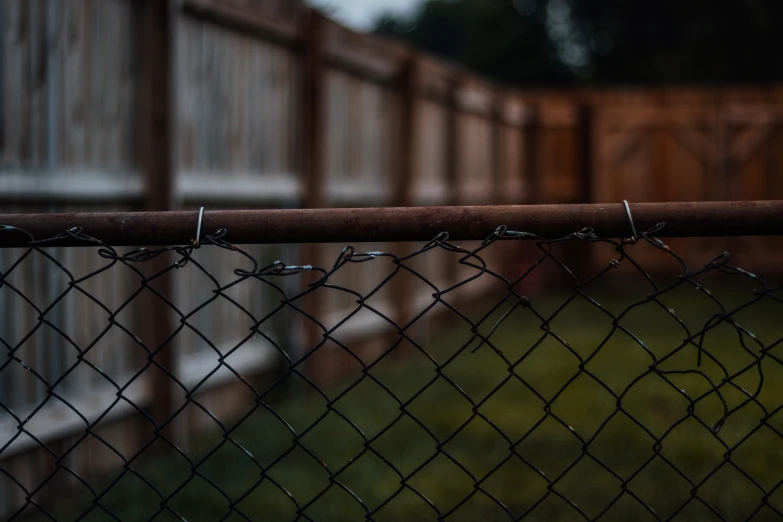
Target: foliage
{"points": [[561, 42]]}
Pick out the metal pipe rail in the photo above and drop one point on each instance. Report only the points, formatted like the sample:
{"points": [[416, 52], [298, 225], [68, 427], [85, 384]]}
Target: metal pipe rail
{"points": [[356, 225]]}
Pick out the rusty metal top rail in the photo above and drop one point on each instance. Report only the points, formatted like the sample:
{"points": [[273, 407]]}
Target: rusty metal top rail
{"points": [[705, 219]]}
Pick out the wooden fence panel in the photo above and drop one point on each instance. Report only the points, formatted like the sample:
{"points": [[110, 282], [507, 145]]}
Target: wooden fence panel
{"points": [[360, 141], [557, 167], [755, 159], [429, 179], [513, 181], [686, 151], [475, 178], [67, 100], [653, 155], [23, 87], [236, 117]]}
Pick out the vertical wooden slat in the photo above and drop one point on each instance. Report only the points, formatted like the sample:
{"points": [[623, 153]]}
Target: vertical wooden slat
{"points": [[53, 81], [281, 113], [726, 175], [6, 390], [659, 168], [5, 31], [72, 130], [12, 90], [110, 85], [96, 82], [53, 349], [33, 151]]}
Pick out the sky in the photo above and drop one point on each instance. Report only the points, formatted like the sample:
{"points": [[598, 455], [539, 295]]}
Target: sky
{"points": [[360, 14]]}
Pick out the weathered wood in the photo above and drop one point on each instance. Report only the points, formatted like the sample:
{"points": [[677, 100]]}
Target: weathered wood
{"points": [[313, 126], [235, 115], [312, 112], [497, 152], [451, 142], [585, 163], [475, 177], [512, 149], [360, 140], [429, 184], [407, 135], [532, 174], [363, 56], [156, 161], [237, 110], [74, 185], [401, 294], [275, 27]]}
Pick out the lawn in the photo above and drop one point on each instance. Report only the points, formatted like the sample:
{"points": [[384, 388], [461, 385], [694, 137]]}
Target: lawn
{"points": [[566, 414]]}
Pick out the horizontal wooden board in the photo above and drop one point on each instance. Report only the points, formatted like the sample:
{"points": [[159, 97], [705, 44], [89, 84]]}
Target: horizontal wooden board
{"points": [[266, 19], [362, 55], [434, 79], [72, 185]]}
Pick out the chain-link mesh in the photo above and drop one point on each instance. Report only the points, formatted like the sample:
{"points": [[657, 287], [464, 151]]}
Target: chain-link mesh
{"points": [[515, 379]]}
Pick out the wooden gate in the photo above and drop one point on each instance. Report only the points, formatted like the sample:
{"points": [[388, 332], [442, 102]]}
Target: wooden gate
{"points": [[687, 149]]}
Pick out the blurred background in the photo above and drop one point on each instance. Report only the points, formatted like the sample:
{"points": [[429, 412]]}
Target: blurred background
{"points": [[131, 105]]}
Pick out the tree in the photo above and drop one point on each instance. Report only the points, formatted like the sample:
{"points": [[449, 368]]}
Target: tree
{"points": [[561, 42], [493, 37]]}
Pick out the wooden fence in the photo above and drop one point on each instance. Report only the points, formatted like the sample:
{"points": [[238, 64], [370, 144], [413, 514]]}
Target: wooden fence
{"points": [[150, 104]]}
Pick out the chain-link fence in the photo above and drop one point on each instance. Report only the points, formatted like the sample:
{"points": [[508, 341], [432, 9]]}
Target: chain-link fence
{"points": [[518, 378]]}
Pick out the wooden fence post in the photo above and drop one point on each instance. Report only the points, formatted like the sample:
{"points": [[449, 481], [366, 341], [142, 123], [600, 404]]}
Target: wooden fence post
{"points": [[531, 175], [585, 144], [313, 111], [451, 141], [585, 154], [531, 165], [156, 162], [498, 165], [407, 131], [451, 160], [402, 296], [313, 134], [507, 255]]}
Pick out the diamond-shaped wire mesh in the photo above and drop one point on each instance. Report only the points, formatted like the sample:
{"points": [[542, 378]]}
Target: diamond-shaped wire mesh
{"points": [[514, 379]]}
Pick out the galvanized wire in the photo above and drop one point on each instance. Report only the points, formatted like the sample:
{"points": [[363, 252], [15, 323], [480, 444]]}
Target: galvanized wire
{"points": [[300, 378]]}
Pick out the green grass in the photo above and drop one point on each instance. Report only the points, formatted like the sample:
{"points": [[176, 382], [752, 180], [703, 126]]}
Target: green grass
{"points": [[563, 430]]}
